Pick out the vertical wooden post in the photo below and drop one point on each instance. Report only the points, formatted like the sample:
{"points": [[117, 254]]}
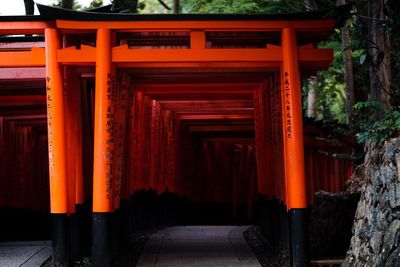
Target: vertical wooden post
{"points": [[138, 182], [153, 144], [73, 122], [286, 197], [74, 87], [57, 151], [2, 163], [104, 131], [251, 176], [311, 174], [294, 146]]}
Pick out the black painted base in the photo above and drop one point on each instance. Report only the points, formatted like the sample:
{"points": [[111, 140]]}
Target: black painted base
{"points": [[101, 239], [79, 238], [299, 244], [61, 240]]}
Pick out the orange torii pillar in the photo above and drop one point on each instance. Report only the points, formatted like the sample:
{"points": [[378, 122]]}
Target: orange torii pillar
{"points": [[57, 152], [73, 122], [104, 139], [294, 148]]}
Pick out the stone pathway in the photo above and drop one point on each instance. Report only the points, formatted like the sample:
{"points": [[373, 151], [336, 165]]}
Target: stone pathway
{"points": [[24, 254], [198, 246]]}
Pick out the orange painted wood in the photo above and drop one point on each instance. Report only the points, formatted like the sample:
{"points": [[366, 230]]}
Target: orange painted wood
{"points": [[122, 54], [293, 131], [25, 27], [267, 25], [257, 126], [70, 138], [22, 100], [155, 148], [56, 127], [311, 175], [121, 113], [126, 109], [80, 196], [104, 126], [197, 39], [86, 54], [33, 58], [285, 184]]}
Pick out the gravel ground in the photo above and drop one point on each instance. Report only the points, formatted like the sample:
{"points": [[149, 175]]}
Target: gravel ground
{"points": [[127, 257], [267, 255], [130, 255]]}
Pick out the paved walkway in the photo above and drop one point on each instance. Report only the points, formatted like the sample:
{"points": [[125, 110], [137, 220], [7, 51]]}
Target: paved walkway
{"points": [[24, 254], [198, 246]]}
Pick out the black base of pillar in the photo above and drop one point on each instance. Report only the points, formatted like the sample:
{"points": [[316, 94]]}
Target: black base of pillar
{"points": [[298, 228], [115, 233], [101, 239], [78, 239], [61, 240], [285, 232]]}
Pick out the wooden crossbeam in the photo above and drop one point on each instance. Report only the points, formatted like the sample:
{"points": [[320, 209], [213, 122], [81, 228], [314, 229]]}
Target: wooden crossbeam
{"points": [[34, 58], [24, 27], [125, 57], [216, 116], [264, 25]]}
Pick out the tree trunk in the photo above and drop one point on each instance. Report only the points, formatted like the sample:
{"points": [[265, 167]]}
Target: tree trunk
{"points": [[348, 69], [67, 4], [312, 97], [379, 51], [310, 5], [176, 6], [29, 7], [125, 5]]}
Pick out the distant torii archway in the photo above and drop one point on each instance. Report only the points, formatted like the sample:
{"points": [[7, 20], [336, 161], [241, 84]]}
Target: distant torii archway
{"points": [[216, 62]]}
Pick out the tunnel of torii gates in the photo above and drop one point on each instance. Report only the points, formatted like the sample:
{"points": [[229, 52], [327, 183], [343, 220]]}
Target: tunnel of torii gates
{"points": [[234, 80]]}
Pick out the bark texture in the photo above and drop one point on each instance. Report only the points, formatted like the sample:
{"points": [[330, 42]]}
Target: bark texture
{"points": [[348, 68], [312, 97], [176, 6], [29, 7], [67, 4], [379, 52]]}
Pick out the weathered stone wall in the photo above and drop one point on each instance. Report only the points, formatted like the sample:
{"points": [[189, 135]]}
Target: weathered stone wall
{"points": [[376, 228]]}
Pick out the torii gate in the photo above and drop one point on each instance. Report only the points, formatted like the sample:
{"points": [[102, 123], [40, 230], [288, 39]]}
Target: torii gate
{"points": [[290, 52]]}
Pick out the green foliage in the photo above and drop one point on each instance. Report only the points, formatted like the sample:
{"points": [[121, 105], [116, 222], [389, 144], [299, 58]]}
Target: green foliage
{"points": [[220, 6], [60, 3], [242, 6], [368, 128], [331, 96], [154, 7], [95, 4], [331, 99], [392, 28], [252, 6]]}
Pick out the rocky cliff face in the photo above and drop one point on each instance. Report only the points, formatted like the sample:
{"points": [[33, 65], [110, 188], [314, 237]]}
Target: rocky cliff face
{"points": [[376, 228]]}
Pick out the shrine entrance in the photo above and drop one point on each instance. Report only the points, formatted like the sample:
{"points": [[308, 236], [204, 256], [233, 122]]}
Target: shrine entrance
{"points": [[123, 91]]}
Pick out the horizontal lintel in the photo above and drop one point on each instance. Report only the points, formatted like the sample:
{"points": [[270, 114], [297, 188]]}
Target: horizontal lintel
{"points": [[204, 25], [33, 58], [24, 27], [125, 57], [216, 117]]}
